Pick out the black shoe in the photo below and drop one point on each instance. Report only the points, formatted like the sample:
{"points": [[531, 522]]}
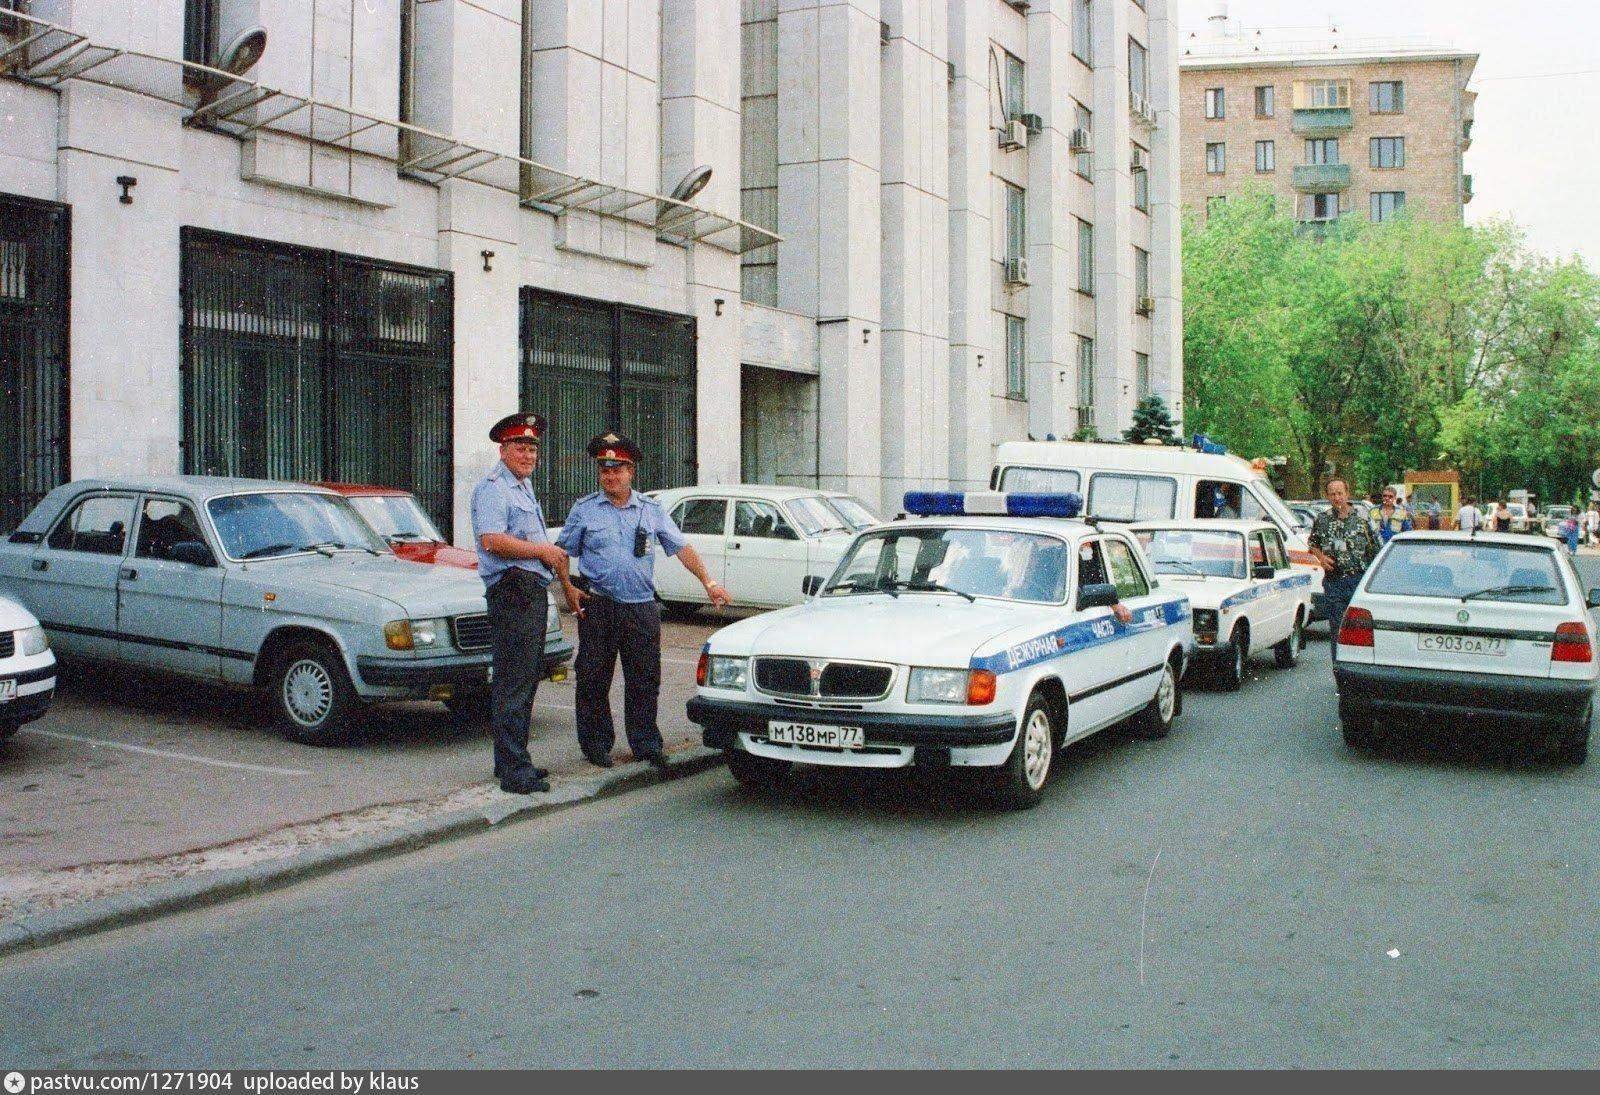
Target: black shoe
{"points": [[525, 785], [599, 760], [656, 759], [536, 771]]}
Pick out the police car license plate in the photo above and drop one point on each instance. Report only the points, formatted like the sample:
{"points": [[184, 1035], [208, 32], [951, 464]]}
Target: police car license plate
{"points": [[8, 691], [1463, 644], [827, 737]]}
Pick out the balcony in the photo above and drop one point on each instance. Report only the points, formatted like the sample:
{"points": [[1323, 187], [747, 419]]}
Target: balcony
{"points": [[1466, 134], [1324, 121], [1321, 178]]}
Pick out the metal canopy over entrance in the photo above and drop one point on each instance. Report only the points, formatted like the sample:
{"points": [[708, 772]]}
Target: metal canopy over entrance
{"points": [[33, 353], [44, 53]]}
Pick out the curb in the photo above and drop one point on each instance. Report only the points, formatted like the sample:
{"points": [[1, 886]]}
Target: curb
{"points": [[136, 906]]}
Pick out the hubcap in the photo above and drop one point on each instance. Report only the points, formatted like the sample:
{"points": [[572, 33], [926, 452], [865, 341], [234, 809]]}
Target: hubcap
{"points": [[1166, 695], [307, 692], [1037, 748]]}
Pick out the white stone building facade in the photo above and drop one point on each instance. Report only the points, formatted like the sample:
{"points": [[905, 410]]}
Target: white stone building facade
{"points": [[409, 217]]}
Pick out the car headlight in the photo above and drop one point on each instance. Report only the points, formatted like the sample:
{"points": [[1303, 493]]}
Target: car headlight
{"points": [[414, 634], [722, 671], [938, 686], [31, 641]]}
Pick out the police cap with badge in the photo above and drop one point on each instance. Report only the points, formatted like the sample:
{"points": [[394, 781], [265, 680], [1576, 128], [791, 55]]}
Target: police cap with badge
{"points": [[522, 426], [611, 450]]}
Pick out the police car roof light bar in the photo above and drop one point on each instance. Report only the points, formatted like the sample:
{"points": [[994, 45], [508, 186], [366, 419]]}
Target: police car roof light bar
{"points": [[930, 503]]}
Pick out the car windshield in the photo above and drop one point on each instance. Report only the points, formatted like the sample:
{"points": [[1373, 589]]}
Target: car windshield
{"points": [[853, 511], [1186, 551], [814, 517], [1472, 570], [272, 523], [1012, 566], [396, 517], [1559, 512]]}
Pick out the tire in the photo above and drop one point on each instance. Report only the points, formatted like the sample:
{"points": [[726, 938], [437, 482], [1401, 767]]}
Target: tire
{"points": [[469, 706], [1231, 667], [1155, 721], [1287, 653], [1019, 783], [756, 773], [1576, 749], [312, 695]]}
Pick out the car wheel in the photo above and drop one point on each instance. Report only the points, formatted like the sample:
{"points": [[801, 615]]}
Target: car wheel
{"points": [[1230, 670], [1576, 749], [1359, 727], [313, 695], [756, 773], [1287, 653], [1019, 783], [1155, 721], [469, 705]]}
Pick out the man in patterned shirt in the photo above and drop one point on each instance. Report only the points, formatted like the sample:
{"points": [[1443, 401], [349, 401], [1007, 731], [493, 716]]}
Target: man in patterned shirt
{"points": [[1345, 545]]}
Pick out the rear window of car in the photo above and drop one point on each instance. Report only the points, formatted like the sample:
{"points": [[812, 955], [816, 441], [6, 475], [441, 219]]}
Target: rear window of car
{"points": [[1040, 480], [1476, 571]]}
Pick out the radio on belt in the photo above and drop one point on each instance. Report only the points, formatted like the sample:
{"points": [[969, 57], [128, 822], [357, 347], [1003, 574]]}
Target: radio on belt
{"points": [[932, 503]]}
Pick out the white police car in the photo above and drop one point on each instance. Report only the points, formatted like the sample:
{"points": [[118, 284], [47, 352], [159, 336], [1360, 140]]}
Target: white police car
{"points": [[986, 631], [1247, 597]]}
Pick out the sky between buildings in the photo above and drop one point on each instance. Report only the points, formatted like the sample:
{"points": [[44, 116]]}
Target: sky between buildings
{"points": [[1535, 154]]}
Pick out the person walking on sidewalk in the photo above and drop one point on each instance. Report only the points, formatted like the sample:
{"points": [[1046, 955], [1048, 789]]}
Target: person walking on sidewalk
{"points": [[612, 533], [517, 563], [1345, 544]]}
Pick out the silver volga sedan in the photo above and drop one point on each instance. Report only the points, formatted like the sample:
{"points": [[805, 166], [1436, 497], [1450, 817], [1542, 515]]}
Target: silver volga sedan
{"points": [[252, 583]]}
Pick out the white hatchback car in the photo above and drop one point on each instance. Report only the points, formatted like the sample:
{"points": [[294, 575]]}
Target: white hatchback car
{"points": [[1246, 596], [966, 636], [27, 668], [1470, 630]]}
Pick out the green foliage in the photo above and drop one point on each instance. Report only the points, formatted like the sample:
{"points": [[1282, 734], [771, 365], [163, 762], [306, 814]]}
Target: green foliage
{"points": [[1151, 421], [1371, 349]]}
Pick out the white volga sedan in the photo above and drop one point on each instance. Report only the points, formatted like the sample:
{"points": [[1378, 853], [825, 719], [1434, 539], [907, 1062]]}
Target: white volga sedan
{"points": [[1247, 596], [761, 542]]}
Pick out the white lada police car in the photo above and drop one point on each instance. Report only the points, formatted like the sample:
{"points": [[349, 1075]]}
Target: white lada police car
{"points": [[985, 631], [1246, 595]]}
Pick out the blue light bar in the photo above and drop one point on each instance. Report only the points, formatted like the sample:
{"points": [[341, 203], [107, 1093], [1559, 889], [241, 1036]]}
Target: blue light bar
{"points": [[933, 503]]}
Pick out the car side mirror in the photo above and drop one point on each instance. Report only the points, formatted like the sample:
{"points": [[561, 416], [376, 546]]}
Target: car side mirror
{"points": [[811, 585], [1594, 598], [1264, 572], [192, 552], [1098, 595]]}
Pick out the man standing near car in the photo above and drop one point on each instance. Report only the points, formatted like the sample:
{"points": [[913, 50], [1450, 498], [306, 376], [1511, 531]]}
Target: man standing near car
{"points": [[612, 533], [1345, 544], [517, 563]]}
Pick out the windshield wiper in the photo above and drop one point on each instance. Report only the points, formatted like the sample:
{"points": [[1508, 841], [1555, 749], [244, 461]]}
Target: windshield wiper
{"points": [[1190, 567], [933, 587], [269, 549], [1508, 590], [857, 587], [411, 537]]}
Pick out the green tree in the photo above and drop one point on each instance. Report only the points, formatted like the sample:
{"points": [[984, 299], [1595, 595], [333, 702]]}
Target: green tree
{"points": [[1151, 421]]}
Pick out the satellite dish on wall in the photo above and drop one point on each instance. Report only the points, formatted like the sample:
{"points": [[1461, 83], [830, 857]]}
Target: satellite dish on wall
{"points": [[692, 183]]}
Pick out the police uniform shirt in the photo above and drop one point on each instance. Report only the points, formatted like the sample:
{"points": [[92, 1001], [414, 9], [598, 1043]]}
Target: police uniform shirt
{"points": [[503, 503], [600, 536]]}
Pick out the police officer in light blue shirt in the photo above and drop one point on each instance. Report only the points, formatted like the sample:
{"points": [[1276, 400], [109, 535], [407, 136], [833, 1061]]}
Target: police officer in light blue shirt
{"points": [[613, 534]]}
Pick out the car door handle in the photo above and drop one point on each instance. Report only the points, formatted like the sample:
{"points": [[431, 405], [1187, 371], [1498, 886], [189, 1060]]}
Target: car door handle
{"points": [[734, 546], [41, 564], [128, 574]]}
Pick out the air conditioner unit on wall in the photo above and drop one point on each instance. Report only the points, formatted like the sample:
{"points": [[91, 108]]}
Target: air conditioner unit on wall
{"points": [[1014, 135], [1032, 122], [1079, 140], [1017, 271]]}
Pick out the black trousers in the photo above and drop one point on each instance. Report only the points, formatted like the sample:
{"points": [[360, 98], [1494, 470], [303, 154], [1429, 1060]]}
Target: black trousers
{"points": [[610, 630], [518, 608]]}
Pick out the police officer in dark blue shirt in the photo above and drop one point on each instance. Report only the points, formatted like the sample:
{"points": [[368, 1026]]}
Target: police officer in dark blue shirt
{"points": [[613, 535]]}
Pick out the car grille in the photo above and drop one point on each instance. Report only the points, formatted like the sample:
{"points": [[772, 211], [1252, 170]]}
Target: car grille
{"points": [[835, 681], [471, 632], [8, 643]]}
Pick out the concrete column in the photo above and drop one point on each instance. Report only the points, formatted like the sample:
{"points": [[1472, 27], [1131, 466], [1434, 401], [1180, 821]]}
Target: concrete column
{"points": [[829, 211], [700, 65], [1166, 209], [975, 346], [1113, 204], [915, 180]]}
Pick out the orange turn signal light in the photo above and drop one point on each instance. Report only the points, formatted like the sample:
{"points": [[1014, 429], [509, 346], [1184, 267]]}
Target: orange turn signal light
{"points": [[981, 687]]}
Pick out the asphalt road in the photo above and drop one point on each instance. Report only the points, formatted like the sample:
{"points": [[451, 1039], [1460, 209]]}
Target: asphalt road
{"points": [[1245, 892]]}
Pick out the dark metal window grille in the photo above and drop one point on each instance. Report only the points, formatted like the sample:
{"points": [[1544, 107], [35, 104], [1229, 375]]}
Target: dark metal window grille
{"points": [[34, 241], [309, 365], [589, 366]]}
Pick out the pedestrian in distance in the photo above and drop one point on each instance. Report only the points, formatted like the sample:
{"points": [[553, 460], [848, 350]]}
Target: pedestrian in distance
{"points": [[1390, 516], [1569, 533], [517, 563], [1435, 515], [1591, 521], [1468, 519], [1501, 521], [613, 534], [1345, 544]]}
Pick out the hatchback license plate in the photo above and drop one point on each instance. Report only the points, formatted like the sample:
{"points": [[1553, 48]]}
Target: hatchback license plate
{"points": [[826, 737], [1463, 644], [8, 691]]}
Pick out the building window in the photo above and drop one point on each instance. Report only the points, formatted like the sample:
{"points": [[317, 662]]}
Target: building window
{"points": [[200, 18], [1322, 150], [1266, 101], [1141, 274], [1216, 158], [1321, 94], [1083, 31], [1388, 151], [1216, 102], [1085, 383], [1387, 97], [1016, 222], [1016, 87], [1266, 156], [1085, 257], [1016, 357], [1083, 162], [1321, 207], [1141, 375], [1138, 76], [1141, 178], [1387, 204]]}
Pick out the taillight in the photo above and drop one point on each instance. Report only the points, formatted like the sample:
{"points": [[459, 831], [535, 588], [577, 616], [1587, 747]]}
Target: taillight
{"points": [[1572, 644], [981, 687], [1356, 629], [702, 668]]}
